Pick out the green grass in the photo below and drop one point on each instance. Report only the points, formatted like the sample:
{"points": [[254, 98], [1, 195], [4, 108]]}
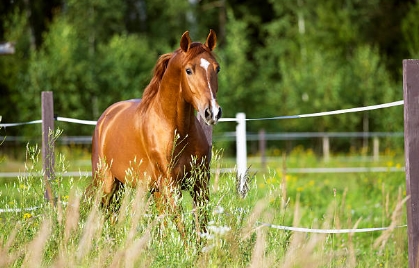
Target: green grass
{"points": [[75, 233]]}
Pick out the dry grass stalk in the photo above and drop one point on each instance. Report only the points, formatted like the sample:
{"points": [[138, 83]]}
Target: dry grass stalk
{"points": [[284, 181], [351, 262], [6, 258], [336, 218], [302, 253], [259, 249], [72, 216], [138, 209], [35, 249], [381, 241], [297, 216], [133, 250], [297, 238], [91, 231], [253, 218], [215, 187], [259, 259], [133, 210]]}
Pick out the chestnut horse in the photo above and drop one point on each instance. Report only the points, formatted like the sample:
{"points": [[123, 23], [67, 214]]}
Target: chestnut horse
{"points": [[159, 137]]}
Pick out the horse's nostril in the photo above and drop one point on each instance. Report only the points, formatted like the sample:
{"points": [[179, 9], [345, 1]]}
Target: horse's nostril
{"points": [[220, 113], [208, 113]]}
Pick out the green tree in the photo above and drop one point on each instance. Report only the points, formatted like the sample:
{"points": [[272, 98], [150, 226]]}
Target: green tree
{"points": [[410, 29], [13, 69], [313, 61]]}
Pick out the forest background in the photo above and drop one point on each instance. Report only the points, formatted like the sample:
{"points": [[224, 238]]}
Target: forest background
{"points": [[277, 57]]}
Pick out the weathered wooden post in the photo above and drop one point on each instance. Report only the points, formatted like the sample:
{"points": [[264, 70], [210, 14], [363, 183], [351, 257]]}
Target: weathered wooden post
{"points": [[262, 148], [48, 158], [376, 149], [326, 148], [411, 148]]}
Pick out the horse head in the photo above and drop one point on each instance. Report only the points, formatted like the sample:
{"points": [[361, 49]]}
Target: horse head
{"points": [[199, 70]]}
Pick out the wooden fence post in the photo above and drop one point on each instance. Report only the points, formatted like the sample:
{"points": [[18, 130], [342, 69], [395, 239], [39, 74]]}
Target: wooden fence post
{"points": [[376, 149], [262, 148], [326, 148], [48, 158], [411, 148]]}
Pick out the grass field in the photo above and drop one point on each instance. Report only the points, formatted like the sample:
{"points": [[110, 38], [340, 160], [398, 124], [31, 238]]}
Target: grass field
{"points": [[76, 234]]}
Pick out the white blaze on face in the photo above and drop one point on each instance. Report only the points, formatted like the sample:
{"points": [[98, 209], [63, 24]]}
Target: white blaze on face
{"points": [[205, 64]]}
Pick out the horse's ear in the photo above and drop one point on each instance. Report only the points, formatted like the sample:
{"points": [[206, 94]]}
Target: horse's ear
{"points": [[211, 40], [185, 41]]}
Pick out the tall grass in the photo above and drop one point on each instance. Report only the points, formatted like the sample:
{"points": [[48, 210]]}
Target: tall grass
{"points": [[78, 233]]}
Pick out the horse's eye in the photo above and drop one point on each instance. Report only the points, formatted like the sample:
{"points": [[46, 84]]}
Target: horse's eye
{"points": [[189, 71], [218, 69]]}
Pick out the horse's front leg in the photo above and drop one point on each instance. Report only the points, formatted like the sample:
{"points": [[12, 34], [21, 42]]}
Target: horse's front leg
{"points": [[168, 204]]}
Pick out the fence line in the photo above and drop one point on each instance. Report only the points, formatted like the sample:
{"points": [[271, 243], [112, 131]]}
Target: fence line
{"points": [[9, 175], [21, 124], [342, 111], [327, 231], [262, 224], [10, 210], [77, 121]]}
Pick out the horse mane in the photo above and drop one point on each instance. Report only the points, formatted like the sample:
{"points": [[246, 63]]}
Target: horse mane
{"points": [[160, 68]]}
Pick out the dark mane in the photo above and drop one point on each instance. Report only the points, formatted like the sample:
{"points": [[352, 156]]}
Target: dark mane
{"points": [[152, 88]]}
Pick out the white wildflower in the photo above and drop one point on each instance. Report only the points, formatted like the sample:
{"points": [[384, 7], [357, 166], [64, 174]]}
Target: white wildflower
{"points": [[218, 210]]}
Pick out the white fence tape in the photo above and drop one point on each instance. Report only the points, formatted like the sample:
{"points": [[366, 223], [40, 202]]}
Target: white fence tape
{"points": [[343, 111], [327, 231], [21, 124], [279, 227], [4, 210], [76, 121]]}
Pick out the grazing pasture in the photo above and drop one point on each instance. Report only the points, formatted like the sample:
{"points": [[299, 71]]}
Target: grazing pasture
{"points": [[75, 233]]}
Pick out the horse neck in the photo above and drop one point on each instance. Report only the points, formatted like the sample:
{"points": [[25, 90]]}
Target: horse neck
{"points": [[172, 104]]}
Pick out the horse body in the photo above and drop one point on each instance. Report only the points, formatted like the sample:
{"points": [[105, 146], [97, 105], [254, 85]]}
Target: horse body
{"points": [[158, 137]]}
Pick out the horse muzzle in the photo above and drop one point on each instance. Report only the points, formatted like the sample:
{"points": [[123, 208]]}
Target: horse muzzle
{"points": [[212, 114]]}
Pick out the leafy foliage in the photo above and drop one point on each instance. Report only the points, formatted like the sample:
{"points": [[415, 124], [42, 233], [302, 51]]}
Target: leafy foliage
{"points": [[277, 57]]}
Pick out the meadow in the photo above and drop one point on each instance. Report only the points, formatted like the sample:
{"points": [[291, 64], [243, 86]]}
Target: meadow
{"points": [[241, 232]]}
